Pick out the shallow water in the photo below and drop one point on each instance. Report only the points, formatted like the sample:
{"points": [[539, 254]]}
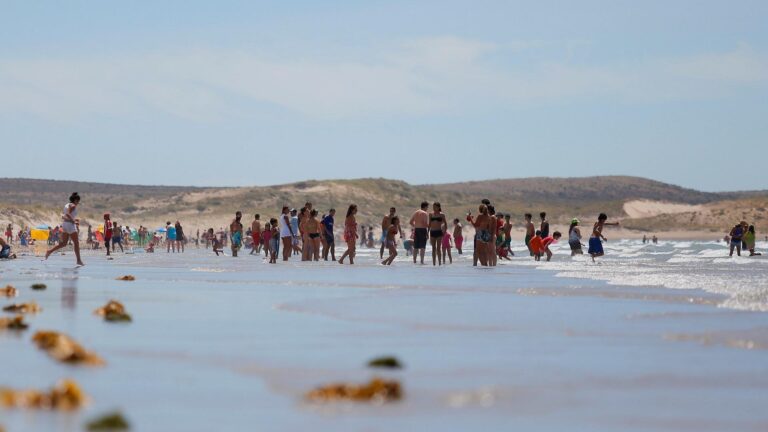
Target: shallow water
{"points": [[232, 344]]}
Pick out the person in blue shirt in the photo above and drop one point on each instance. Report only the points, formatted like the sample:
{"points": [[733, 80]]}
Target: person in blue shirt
{"points": [[329, 245], [170, 237]]}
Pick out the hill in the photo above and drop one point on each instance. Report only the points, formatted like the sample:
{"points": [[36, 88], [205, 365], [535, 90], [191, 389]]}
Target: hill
{"points": [[32, 202]]}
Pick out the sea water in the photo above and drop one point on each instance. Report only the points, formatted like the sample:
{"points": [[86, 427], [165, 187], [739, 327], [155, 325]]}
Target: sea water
{"points": [[651, 338]]}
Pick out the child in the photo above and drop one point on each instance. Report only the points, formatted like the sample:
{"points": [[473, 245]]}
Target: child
{"points": [[595, 245], [447, 247], [150, 248], [535, 246], [408, 244], [274, 248], [507, 228], [390, 240], [217, 246], [266, 237], [546, 241], [458, 237], [749, 239]]}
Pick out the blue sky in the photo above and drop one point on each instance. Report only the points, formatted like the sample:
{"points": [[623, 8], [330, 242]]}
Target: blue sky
{"points": [[256, 93]]}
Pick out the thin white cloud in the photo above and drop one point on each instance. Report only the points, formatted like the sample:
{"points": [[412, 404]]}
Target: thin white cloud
{"points": [[420, 77]]}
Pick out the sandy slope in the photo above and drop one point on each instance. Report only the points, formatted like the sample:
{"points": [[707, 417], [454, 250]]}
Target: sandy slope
{"points": [[648, 208]]}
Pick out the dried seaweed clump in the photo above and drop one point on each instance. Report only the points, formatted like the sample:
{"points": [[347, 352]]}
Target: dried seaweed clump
{"points": [[385, 362], [127, 278], [62, 348], [113, 311], [377, 390], [65, 396], [23, 308], [110, 422], [15, 323], [9, 291], [39, 286]]}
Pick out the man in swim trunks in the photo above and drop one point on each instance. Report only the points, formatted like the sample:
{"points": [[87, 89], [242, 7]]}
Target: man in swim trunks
{"points": [[530, 231], [330, 241], [236, 233], [420, 223], [256, 235], [385, 223], [507, 228]]}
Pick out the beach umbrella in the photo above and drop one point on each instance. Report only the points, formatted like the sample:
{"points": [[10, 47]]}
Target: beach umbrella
{"points": [[162, 230], [42, 227]]}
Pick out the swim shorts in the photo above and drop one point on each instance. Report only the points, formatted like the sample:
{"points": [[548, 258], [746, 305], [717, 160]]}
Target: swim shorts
{"points": [[5, 252], [595, 246], [420, 238]]}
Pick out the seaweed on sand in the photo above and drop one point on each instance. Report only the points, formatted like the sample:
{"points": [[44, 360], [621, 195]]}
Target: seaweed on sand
{"points": [[15, 323], [385, 362], [65, 396], [376, 390], [9, 291], [127, 278], [64, 349], [113, 311], [39, 286], [109, 422], [23, 308]]}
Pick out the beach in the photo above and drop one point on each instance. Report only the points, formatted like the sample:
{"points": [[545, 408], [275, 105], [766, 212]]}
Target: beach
{"points": [[667, 337]]}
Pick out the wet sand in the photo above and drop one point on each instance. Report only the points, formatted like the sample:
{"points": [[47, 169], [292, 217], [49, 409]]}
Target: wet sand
{"points": [[233, 344]]}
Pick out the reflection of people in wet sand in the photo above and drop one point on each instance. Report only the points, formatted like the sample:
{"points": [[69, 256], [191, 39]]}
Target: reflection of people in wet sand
{"points": [[70, 226]]}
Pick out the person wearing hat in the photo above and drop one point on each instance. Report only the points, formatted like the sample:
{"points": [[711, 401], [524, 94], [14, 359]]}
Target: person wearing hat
{"points": [[574, 238]]}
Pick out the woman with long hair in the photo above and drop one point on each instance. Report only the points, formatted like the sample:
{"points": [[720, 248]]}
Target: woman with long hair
{"points": [[438, 225], [70, 225], [350, 234], [483, 234]]}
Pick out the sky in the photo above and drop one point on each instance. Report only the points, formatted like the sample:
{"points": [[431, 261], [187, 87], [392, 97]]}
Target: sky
{"points": [[236, 93]]}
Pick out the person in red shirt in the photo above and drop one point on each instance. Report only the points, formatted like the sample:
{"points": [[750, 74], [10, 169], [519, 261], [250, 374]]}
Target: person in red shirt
{"points": [[536, 246], [107, 231], [548, 240]]}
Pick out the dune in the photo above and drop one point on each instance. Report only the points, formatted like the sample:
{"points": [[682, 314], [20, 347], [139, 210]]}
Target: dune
{"points": [[648, 208]]}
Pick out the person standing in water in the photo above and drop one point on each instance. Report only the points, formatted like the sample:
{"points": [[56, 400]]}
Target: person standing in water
{"points": [[389, 239], [313, 233], [236, 233], [595, 245], [107, 231], [350, 234], [385, 222], [574, 238], [438, 225], [420, 224], [256, 235], [530, 232], [286, 232], [70, 225], [483, 235], [458, 235], [507, 228], [544, 225], [180, 238], [117, 236], [330, 240], [736, 234]]}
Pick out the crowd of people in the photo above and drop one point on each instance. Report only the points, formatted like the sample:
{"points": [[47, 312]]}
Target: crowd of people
{"points": [[307, 234]]}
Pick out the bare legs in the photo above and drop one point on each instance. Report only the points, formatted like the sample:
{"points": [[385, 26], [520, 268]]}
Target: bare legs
{"points": [[64, 240], [287, 247], [436, 242], [350, 252]]}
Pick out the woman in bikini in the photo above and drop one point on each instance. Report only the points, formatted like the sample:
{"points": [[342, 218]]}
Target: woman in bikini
{"points": [[350, 234], [483, 234], [70, 226], [312, 229], [438, 225]]}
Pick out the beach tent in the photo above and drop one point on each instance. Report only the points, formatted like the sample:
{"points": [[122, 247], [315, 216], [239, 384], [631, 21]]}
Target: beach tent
{"points": [[39, 233]]}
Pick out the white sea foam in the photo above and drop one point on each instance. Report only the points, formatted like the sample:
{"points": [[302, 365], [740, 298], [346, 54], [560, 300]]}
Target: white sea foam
{"points": [[676, 265]]}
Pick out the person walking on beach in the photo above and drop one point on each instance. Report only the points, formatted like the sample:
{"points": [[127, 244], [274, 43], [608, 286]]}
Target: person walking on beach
{"points": [[117, 236], [420, 224], [217, 246], [389, 239], [256, 235], [170, 237], [385, 222], [736, 234], [9, 234], [595, 245], [458, 235], [330, 240], [350, 234], [180, 237], [438, 225], [574, 238], [530, 232], [70, 225], [286, 232], [363, 235], [236, 233]]}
